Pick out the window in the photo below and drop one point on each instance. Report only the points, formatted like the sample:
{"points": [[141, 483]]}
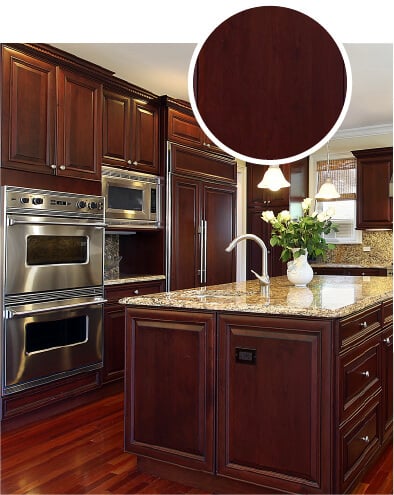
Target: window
{"points": [[343, 174]]}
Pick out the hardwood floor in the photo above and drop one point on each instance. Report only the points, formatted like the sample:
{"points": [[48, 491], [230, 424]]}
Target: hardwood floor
{"points": [[81, 451]]}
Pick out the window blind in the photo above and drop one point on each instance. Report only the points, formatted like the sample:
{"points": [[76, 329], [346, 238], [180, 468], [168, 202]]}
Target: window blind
{"points": [[342, 172]]}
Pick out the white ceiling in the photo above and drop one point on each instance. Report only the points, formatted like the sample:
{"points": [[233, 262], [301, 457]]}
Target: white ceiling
{"points": [[162, 68]]}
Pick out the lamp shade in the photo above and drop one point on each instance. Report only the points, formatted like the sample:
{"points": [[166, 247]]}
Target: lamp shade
{"points": [[273, 179], [327, 190]]}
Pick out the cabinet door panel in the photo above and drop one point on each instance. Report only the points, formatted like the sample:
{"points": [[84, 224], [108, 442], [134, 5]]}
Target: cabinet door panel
{"points": [[387, 383], [28, 113], [170, 386], [116, 129], [270, 407], [145, 137], [79, 126], [114, 342], [185, 241]]}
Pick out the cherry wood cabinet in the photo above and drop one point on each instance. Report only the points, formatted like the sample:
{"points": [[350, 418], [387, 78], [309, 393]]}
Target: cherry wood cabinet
{"points": [[51, 118], [374, 173], [303, 405], [114, 325], [356, 271], [130, 133], [184, 129], [202, 226], [259, 200], [170, 387]]}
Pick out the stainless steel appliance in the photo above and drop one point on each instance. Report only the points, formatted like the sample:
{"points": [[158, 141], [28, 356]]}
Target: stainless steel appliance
{"points": [[132, 199], [52, 292]]}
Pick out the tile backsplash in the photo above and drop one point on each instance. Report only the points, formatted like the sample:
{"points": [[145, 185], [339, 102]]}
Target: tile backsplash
{"points": [[380, 242]]}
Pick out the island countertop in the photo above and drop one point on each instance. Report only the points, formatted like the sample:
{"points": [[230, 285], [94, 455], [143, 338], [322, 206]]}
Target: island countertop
{"points": [[326, 296]]}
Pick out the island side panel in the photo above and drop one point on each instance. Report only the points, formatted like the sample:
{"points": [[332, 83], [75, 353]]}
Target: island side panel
{"points": [[169, 387], [274, 400]]}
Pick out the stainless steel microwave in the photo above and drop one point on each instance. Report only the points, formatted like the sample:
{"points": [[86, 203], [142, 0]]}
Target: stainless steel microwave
{"points": [[132, 199]]}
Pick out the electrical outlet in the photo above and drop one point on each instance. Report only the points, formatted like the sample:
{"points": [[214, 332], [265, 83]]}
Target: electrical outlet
{"points": [[366, 249]]}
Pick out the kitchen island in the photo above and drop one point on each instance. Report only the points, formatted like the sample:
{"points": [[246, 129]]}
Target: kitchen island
{"points": [[232, 389]]}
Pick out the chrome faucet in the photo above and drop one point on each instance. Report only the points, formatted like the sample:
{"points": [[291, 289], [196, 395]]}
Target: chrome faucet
{"points": [[263, 278]]}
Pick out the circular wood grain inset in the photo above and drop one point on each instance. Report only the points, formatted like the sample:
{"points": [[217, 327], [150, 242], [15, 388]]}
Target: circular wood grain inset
{"points": [[269, 84]]}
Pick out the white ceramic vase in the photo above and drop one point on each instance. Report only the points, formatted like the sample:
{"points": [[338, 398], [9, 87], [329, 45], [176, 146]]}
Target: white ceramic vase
{"points": [[299, 271]]}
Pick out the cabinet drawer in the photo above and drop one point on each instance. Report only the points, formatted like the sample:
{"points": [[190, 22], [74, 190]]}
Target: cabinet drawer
{"points": [[130, 290], [359, 442], [359, 376], [355, 328]]}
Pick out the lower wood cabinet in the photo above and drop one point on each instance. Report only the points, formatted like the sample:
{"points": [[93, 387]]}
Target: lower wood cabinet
{"points": [[240, 403], [356, 271], [114, 325]]}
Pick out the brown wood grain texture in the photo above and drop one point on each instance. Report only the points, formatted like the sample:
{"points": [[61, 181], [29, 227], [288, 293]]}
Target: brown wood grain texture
{"points": [[270, 83], [81, 451]]}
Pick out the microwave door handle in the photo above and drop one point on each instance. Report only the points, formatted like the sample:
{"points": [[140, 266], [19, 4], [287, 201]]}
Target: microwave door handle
{"points": [[12, 221], [10, 313]]}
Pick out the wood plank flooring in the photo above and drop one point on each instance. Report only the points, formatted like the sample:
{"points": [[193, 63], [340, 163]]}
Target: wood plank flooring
{"points": [[81, 451]]}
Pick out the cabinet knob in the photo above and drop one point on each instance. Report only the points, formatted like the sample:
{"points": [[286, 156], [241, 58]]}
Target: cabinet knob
{"points": [[364, 324], [53, 166], [365, 439], [387, 341], [135, 163], [136, 291], [268, 202], [365, 373], [62, 167], [128, 162]]}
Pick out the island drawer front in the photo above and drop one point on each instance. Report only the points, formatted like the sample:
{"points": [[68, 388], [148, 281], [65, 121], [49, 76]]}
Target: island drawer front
{"points": [[359, 441], [355, 328], [359, 376], [388, 312], [114, 293]]}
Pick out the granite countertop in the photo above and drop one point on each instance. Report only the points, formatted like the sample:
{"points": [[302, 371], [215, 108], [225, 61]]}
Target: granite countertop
{"points": [[326, 296], [128, 279]]}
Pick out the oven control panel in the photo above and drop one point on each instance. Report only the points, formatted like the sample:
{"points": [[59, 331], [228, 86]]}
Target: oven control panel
{"points": [[53, 201]]}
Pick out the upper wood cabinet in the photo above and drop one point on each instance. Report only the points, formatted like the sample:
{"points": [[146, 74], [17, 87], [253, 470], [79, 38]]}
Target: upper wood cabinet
{"points": [[374, 172], [130, 133], [184, 129], [51, 118], [265, 197]]}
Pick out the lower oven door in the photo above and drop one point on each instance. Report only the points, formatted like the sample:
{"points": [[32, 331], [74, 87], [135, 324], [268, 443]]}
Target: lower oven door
{"points": [[46, 254], [47, 341]]}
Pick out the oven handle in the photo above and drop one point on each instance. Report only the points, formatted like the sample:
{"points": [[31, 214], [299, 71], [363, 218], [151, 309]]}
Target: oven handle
{"points": [[10, 313], [11, 222]]}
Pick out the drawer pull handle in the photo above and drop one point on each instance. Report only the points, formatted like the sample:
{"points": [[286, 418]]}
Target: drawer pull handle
{"points": [[387, 341], [365, 439], [136, 291], [365, 373], [364, 324]]}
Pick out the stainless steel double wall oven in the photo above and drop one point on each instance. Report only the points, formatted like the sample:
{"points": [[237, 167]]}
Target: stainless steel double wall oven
{"points": [[52, 286]]}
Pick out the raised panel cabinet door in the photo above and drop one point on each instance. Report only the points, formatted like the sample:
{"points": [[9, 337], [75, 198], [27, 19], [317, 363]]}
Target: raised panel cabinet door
{"points": [[219, 216], [116, 129], [374, 172], [145, 128], [79, 126], [170, 386], [114, 342], [28, 112], [273, 402], [185, 233], [183, 129]]}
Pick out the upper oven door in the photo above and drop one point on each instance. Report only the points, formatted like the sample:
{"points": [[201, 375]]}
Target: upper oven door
{"points": [[127, 199], [49, 253]]}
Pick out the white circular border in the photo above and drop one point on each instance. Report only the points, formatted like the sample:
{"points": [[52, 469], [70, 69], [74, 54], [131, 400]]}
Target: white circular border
{"points": [[309, 151]]}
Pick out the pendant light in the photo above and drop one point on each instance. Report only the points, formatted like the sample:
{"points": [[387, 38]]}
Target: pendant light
{"points": [[327, 189], [273, 179]]}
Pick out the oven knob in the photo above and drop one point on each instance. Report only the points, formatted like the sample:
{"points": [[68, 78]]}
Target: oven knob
{"points": [[92, 205], [81, 204], [24, 200], [37, 201]]}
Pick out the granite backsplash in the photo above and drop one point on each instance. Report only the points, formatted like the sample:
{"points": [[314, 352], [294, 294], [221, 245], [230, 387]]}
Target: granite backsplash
{"points": [[111, 257], [380, 242]]}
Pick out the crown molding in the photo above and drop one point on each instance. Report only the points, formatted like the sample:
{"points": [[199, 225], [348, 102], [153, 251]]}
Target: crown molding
{"points": [[372, 130]]}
